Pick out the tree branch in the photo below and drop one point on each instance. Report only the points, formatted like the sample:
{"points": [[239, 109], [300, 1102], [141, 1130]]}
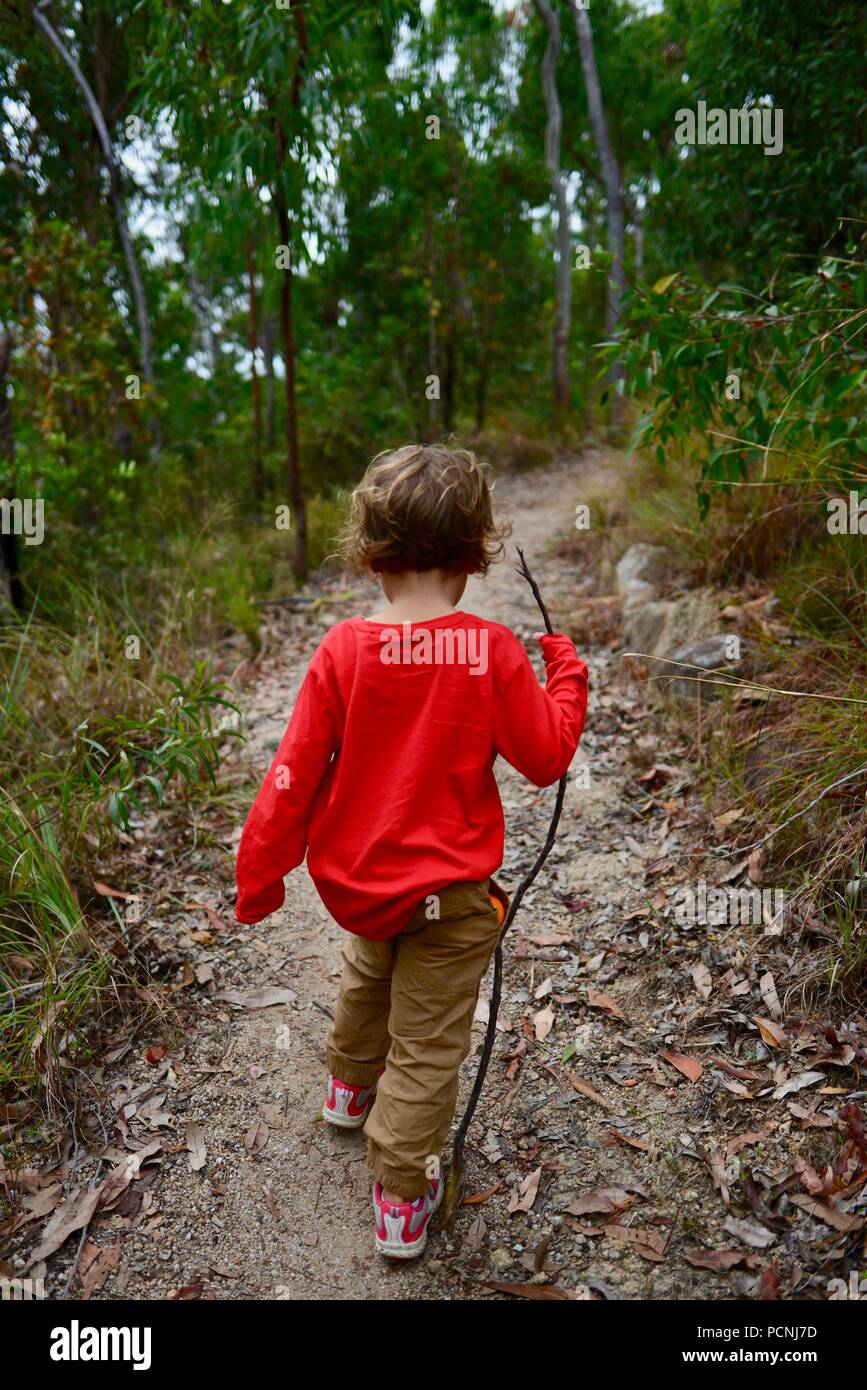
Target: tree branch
{"points": [[454, 1187]]}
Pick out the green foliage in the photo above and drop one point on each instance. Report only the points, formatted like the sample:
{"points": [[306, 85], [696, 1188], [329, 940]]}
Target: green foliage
{"points": [[760, 388]]}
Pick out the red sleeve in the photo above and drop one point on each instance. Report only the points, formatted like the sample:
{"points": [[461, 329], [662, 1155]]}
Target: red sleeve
{"points": [[274, 839], [537, 728]]}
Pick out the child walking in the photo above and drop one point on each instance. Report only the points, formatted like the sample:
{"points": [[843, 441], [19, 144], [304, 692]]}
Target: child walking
{"points": [[384, 779]]}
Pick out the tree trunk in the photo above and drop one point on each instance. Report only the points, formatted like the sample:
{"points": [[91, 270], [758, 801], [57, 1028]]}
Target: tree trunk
{"points": [[482, 387], [269, 334], [144, 327], [9, 554], [293, 455], [638, 242], [610, 178], [563, 284], [253, 343], [432, 352], [454, 280]]}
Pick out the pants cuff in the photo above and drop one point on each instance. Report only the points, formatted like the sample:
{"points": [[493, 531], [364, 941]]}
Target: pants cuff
{"points": [[356, 1073], [408, 1182]]}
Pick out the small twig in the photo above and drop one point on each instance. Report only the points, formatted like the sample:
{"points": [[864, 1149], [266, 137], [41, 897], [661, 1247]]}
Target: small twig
{"points": [[455, 1182]]}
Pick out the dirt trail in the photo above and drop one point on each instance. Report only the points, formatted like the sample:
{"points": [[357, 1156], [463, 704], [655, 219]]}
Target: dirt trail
{"points": [[293, 1219]]}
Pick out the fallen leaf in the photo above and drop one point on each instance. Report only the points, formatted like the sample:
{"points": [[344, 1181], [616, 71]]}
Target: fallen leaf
{"points": [[714, 1259], [797, 1083], [475, 1198], [750, 1232], [69, 1217], [772, 1034], [126, 1172], [256, 1137], [841, 1221], [809, 1177], [543, 1022], [525, 1196], [96, 1264], [738, 1089], [263, 999], [771, 1285], [811, 1118], [605, 1199], [37, 1205], [615, 1137], [195, 1142], [477, 1232], [744, 1141], [739, 1072], [585, 1089], [703, 980], [213, 917], [689, 1067], [597, 1000], [189, 1291], [106, 892], [769, 995], [650, 1245], [536, 1291]]}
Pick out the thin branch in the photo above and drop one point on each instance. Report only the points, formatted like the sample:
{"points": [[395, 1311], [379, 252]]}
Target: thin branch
{"points": [[455, 1182]]}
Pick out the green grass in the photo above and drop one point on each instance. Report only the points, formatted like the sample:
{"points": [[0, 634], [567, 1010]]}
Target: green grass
{"points": [[776, 760]]}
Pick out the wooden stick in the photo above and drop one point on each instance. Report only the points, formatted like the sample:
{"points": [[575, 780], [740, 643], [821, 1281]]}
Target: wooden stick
{"points": [[455, 1184]]}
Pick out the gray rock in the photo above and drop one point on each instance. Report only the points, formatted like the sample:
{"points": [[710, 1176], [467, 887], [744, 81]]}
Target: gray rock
{"points": [[639, 570], [663, 627], [709, 654]]}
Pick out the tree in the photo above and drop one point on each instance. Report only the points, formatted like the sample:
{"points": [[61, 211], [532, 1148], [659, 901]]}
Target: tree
{"points": [[96, 115], [608, 164], [563, 281]]}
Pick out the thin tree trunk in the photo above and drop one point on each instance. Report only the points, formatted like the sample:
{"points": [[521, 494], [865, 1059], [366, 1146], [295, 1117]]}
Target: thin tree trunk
{"points": [[9, 554], [253, 342], [432, 351], [563, 284], [610, 175], [455, 284], [269, 334], [145, 336], [293, 453], [638, 242], [482, 384]]}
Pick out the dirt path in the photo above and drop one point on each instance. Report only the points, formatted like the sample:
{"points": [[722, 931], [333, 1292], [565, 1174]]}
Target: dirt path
{"points": [[280, 1207]]}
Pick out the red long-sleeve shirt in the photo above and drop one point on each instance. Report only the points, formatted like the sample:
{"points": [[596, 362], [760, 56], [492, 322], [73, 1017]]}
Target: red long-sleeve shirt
{"points": [[384, 776]]}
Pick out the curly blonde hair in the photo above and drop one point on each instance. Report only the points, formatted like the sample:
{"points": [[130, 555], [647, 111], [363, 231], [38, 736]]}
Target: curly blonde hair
{"points": [[422, 507]]}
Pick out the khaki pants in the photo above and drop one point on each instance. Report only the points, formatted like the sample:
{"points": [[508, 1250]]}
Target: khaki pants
{"points": [[403, 1018]]}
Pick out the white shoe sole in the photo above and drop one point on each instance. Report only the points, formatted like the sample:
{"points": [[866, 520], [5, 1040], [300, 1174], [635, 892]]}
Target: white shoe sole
{"points": [[398, 1249], [344, 1122]]}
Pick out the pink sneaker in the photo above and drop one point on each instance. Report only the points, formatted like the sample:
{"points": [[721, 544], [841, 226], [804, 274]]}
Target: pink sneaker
{"points": [[401, 1230], [346, 1106]]}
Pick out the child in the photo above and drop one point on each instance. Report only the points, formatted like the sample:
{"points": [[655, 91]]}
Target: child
{"points": [[385, 779]]}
